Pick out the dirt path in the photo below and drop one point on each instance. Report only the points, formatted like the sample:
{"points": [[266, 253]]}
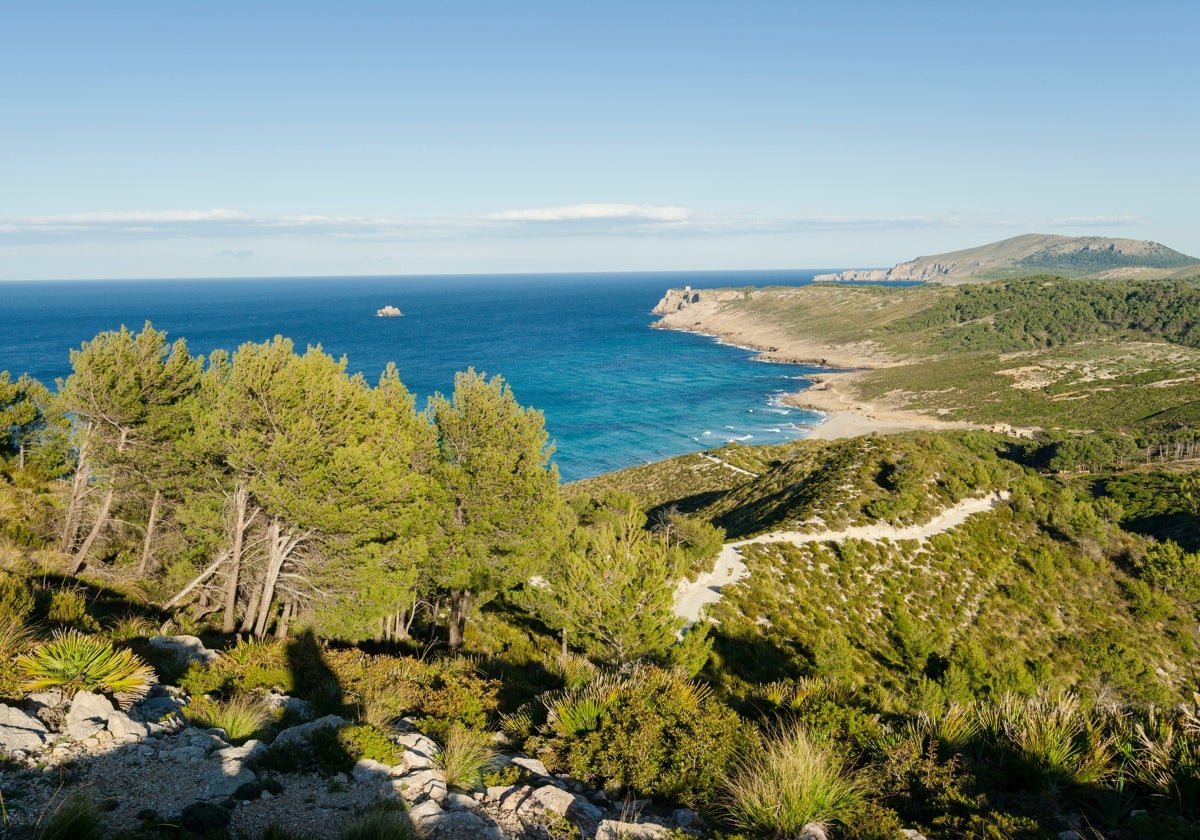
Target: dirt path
{"points": [[728, 465], [693, 596]]}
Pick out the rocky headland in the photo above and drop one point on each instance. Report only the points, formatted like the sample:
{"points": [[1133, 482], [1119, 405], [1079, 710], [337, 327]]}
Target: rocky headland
{"points": [[722, 313]]}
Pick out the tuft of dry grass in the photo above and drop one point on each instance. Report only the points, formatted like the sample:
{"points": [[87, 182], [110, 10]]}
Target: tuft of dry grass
{"points": [[790, 783]]}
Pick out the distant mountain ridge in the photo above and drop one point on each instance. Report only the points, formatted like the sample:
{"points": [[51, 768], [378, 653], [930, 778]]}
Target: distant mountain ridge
{"points": [[1036, 253]]}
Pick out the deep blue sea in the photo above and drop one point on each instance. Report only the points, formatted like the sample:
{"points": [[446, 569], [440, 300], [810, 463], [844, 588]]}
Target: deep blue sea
{"points": [[579, 347]]}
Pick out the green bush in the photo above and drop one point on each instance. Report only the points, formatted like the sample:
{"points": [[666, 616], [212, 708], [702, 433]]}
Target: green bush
{"points": [[248, 666], [662, 735], [68, 608], [330, 750], [16, 597], [362, 740], [74, 662]]}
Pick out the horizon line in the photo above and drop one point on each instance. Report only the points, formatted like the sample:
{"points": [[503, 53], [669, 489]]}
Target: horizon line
{"points": [[446, 275]]}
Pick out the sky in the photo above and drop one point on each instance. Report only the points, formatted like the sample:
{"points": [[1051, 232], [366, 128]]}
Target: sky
{"points": [[178, 139]]}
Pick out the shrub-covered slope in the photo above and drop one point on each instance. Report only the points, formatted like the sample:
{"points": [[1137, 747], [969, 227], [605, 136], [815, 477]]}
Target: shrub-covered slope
{"points": [[1048, 590]]}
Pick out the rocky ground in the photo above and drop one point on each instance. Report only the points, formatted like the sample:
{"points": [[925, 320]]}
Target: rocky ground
{"points": [[147, 767]]}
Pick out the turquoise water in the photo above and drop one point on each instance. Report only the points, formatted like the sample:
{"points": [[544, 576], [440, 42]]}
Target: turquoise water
{"points": [[578, 347]]}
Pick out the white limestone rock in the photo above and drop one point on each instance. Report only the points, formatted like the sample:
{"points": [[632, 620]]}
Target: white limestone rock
{"points": [[21, 731], [88, 715]]}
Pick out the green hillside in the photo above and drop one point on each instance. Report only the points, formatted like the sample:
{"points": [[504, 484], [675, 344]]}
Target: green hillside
{"points": [[1068, 256], [1049, 589]]}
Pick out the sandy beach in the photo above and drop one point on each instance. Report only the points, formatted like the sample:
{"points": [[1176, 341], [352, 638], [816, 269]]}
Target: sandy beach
{"points": [[846, 416], [831, 393]]}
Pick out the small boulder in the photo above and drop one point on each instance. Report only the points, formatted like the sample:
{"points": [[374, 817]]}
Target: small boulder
{"points": [[509, 797], [247, 753], [812, 831], [88, 715], [459, 802], [418, 747], [20, 731], [460, 824], [226, 779], [426, 815], [617, 830], [421, 784], [185, 649], [531, 764], [368, 769], [301, 733], [564, 803], [124, 728]]}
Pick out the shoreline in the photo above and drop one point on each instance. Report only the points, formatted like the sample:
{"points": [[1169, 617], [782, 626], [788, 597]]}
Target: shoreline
{"points": [[844, 417]]}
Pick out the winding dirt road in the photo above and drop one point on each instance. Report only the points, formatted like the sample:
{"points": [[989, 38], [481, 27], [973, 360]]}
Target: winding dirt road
{"points": [[693, 596]]}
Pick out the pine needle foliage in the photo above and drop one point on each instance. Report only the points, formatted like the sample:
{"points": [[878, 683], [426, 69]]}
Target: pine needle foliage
{"points": [[72, 661]]}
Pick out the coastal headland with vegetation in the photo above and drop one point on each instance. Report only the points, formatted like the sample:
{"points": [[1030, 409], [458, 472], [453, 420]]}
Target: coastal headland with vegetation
{"points": [[253, 595]]}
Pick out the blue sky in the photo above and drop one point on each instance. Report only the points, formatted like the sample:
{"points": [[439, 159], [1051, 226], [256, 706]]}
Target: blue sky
{"points": [[258, 139]]}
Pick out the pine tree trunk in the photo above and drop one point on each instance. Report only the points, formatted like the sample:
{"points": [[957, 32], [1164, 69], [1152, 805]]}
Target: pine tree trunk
{"points": [[433, 621], [289, 610], [97, 527], [75, 504], [229, 620], [102, 517], [281, 548], [149, 541], [251, 613], [460, 602]]}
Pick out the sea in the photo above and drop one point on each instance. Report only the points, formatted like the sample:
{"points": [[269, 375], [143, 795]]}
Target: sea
{"points": [[579, 347]]}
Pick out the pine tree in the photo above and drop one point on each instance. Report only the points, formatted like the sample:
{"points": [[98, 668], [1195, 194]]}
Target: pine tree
{"points": [[130, 395], [501, 507], [611, 593]]}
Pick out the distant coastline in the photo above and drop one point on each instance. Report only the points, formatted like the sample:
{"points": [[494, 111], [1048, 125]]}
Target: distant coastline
{"points": [[703, 311]]}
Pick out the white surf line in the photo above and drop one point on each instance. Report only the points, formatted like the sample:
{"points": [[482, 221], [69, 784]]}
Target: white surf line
{"points": [[691, 597], [727, 465]]}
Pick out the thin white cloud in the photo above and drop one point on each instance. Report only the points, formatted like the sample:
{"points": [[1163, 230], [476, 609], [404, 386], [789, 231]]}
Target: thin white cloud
{"points": [[591, 212], [232, 227], [119, 217], [1098, 221]]}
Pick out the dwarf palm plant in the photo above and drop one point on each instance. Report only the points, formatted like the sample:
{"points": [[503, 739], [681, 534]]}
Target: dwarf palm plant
{"points": [[72, 661]]}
